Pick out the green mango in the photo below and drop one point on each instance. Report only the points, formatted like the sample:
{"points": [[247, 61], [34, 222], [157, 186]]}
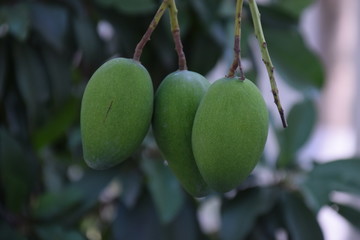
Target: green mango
{"points": [[176, 102], [116, 112], [229, 132]]}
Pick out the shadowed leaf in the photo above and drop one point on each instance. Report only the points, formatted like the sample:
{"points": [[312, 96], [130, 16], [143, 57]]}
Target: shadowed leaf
{"points": [[58, 233], [130, 6], [240, 214], [349, 213], [31, 80], [301, 121], [300, 221], [17, 18], [51, 23], [304, 71], [3, 67], [15, 172], [165, 189], [340, 175]]}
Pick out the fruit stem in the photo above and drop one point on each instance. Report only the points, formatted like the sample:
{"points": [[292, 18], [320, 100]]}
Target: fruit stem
{"points": [[140, 46], [266, 57], [175, 29], [237, 49]]}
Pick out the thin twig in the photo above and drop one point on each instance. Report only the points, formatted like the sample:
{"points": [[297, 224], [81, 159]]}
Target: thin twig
{"points": [[175, 29], [140, 46], [266, 58], [237, 41]]}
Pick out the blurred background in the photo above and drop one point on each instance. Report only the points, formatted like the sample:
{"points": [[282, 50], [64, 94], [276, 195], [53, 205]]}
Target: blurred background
{"points": [[306, 186]]}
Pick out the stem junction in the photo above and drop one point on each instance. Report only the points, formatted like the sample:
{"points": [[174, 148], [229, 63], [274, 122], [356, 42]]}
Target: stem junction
{"points": [[237, 41], [175, 29], [140, 46]]}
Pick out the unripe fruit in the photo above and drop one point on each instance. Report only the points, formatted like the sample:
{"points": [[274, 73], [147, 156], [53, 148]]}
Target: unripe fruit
{"points": [[176, 102], [116, 112], [229, 132]]}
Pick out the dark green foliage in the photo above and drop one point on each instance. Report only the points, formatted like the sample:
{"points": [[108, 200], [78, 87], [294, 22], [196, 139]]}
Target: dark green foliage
{"points": [[284, 46], [340, 175], [293, 138], [49, 50], [240, 215], [299, 219], [349, 213], [15, 172], [164, 188]]}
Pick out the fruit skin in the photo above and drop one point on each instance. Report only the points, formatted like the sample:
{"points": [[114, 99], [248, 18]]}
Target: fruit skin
{"points": [[176, 102], [229, 133], [116, 112]]}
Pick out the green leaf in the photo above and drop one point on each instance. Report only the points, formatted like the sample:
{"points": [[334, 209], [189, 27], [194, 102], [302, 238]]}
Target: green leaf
{"points": [[59, 71], [164, 47], [52, 205], [199, 51], [56, 125], [164, 188], [304, 72], [294, 7], [6, 232], [301, 121], [88, 189], [349, 213], [94, 182], [239, 215], [17, 18], [227, 9], [15, 110], [15, 172], [87, 38], [184, 15], [31, 80], [300, 221], [131, 182], [143, 216], [340, 175], [273, 17], [267, 226], [58, 233], [51, 23], [129, 6], [3, 68], [185, 225], [206, 10]]}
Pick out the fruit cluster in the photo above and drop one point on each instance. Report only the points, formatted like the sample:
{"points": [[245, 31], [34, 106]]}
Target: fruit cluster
{"points": [[211, 135]]}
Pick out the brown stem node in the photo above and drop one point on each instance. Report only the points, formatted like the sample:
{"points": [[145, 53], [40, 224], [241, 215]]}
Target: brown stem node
{"points": [[179, 49], [146, 37]]}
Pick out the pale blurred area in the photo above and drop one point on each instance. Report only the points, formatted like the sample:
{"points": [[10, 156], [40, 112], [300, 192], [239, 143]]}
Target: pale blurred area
{"points": [[331, 28], [335, 36]]}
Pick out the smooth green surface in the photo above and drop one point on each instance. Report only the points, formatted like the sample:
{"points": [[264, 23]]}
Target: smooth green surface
{"points": [[116, 112], [176, 102], [229, 132]]}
